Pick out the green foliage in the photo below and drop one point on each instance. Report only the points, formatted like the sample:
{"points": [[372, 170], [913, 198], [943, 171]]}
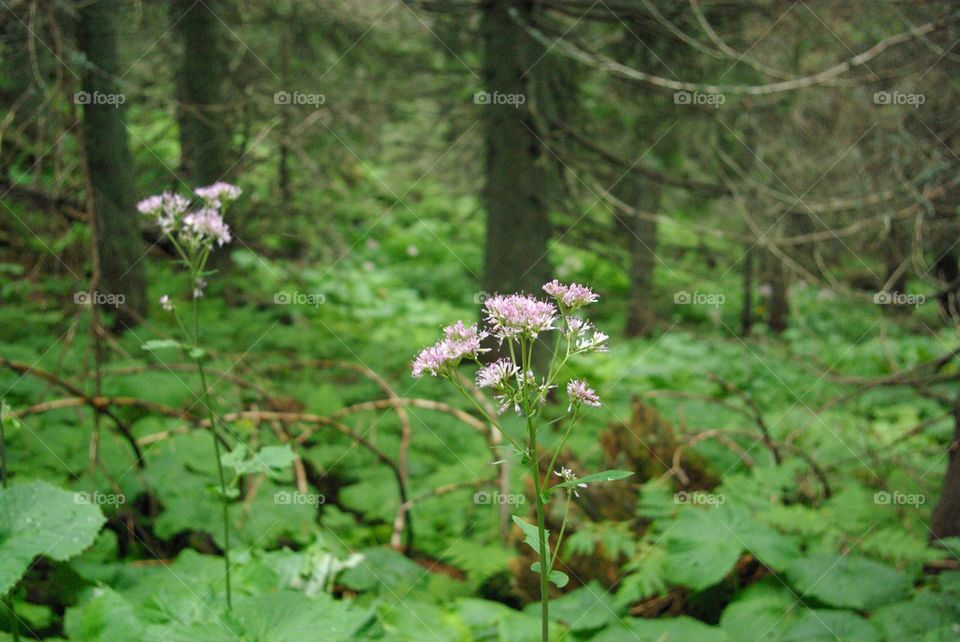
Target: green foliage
{"points": [[40, 519]]}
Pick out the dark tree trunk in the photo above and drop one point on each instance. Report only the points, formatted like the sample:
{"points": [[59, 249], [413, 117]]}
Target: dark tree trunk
{"points": [[641, 234], [746, 312], [897, 250], [518, 226], [779, 300], [204, 135], [109, 164], [945, 520]]}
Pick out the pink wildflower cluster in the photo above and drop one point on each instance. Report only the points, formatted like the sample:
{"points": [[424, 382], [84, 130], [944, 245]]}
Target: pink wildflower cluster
{"points": [[459, 342], [218, 194], [200, 228], [571, 297], [167, 209], [581, 394], [497, 375], [205, 225], [517, 315]]}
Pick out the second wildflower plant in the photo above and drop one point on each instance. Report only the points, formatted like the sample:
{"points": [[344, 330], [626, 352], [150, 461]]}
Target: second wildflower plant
{"points": [[517, 322], [195, 228]]}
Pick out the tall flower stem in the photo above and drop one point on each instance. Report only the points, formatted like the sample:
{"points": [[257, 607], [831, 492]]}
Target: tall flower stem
{"points": [[216, 449], [541, 532]]}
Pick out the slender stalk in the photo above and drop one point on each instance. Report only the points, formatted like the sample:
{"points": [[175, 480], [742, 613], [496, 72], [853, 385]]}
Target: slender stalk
{"points": [[563, 527], [216, 450], [541, 532]]}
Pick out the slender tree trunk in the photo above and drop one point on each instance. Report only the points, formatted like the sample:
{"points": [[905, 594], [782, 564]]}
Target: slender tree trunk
{"points": [[779, 300], [518, 226], [204, 135], [641, 235], [746, 312], [109, 164], [945, 520]]}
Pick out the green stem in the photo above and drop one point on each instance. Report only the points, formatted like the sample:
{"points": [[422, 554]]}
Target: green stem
{"points": [[563, 527], [541, 533], [216, 450]]}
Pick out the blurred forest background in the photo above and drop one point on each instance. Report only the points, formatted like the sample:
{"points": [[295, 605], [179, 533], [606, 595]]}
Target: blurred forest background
{"points": [[764, 194]]}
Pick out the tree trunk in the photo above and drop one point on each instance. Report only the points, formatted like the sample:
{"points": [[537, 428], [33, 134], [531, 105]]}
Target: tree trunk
{"points": [[746, 312], [779, 300], [204, 136], [945, 520], [518, 226], [109, 165], [641, 235]]}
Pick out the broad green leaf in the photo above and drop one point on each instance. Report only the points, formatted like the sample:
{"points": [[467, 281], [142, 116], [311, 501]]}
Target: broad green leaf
{"points": [[287, 616], [587, 608], [700, 551], [676, 629], [848, 581], [270, 460], [39, 519]]}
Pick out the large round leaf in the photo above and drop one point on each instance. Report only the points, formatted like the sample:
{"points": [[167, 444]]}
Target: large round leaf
{"points": [[39, 519], [848, 581]]}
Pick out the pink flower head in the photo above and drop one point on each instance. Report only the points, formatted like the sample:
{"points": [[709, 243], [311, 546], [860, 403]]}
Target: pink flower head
{"points": [[571, 296], [459, 342], [581, 393], [167, 209], [518, 315], [432, 361], [206, 226], [497, 375], [218, 194]]}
